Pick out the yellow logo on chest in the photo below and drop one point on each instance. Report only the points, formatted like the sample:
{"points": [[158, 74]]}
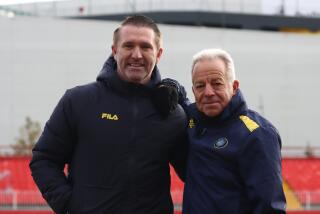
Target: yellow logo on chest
{"points": [[191, 123], [108, 116]]}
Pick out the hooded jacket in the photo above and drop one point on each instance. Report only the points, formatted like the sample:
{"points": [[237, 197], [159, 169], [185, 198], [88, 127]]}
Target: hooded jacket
{"points": [[234, 163], [117, 147]]}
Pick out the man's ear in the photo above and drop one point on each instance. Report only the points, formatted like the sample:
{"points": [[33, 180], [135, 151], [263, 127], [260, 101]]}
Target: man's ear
{"points": [[235, 86], [192, 89], [114, 51], [159, 54]]}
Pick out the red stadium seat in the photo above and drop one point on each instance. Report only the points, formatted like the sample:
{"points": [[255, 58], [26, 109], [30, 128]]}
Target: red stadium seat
{"points": [[303, 175], [176, 188], [16, 183]]}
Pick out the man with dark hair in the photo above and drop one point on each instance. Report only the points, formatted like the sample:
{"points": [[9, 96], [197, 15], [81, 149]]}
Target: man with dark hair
{"points": [[115, 136]]}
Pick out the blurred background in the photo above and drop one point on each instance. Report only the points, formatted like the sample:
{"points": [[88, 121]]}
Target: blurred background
{"points": [[47, 47]]}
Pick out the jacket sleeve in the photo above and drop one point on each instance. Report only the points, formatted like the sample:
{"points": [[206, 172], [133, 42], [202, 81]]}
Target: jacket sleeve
{"points": [[51, 154], [179, 153], [260, 168], [179, 158]]}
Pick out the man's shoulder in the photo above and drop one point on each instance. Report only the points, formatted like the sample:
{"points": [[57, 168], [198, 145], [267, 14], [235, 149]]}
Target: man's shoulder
{"points": [[178, 116], [190, 109], [255, 122], [261, 133], [83, 89], [92, 89], [82, 93]]}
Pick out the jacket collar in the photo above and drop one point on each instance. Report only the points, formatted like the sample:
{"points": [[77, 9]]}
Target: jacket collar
{"points": [[110, 77]]}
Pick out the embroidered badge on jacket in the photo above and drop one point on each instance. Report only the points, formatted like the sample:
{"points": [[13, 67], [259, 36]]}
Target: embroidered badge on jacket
{"points": [[220, 143]]}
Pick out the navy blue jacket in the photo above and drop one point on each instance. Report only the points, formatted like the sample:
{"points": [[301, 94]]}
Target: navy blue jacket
{"points": [[234, 163], [117, 146]]}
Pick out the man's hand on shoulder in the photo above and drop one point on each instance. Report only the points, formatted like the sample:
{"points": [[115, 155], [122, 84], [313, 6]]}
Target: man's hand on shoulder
{"points": [[165, 99]]}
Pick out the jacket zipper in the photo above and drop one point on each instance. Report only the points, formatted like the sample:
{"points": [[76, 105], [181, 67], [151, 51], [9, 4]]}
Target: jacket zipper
{"points": [[131, 145]]}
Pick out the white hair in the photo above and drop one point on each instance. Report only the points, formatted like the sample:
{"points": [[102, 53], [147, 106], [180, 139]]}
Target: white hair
{"points": [[209, 54]]}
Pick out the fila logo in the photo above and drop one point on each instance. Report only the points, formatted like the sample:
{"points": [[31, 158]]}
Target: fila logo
{"points": [[109, 116]]}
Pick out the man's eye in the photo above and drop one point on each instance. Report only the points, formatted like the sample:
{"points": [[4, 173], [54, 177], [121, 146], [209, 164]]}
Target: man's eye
{"points": [[146, 47], [217, 85], [128, 45], [199, 86]]}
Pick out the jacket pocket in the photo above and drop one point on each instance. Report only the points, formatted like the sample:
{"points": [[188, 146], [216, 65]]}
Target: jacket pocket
{"points": [[87, 199]]}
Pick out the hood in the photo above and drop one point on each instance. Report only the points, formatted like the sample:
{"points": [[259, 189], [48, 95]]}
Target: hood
{"points": [[110, 77]]}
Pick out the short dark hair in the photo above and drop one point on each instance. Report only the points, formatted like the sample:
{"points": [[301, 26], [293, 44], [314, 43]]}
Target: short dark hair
{"points": [[140, 21]]}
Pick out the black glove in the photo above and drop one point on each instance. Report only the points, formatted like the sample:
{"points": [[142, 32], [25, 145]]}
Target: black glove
{"points": [[182, 94], [165, 99]]}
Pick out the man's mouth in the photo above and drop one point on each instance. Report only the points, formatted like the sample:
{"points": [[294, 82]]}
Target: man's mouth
{"points": [[210, 102], [135, 65]]}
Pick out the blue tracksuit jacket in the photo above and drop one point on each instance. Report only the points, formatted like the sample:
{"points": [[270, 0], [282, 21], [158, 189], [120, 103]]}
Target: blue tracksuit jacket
{"points": [[234, 163]]}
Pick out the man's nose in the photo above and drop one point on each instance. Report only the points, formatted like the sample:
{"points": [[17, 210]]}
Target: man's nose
{"points": [[209, 91], [137, 53]]}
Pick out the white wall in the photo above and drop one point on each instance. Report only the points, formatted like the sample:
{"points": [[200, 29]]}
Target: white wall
{"points": [[41, 58]]}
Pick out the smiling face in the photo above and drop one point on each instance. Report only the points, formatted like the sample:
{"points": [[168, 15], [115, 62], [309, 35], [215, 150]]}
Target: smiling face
{"points": [[211, 86], [136, 53]]}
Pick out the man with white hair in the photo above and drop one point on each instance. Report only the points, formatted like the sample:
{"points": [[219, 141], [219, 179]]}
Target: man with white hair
{"points": [[234, 163]]}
